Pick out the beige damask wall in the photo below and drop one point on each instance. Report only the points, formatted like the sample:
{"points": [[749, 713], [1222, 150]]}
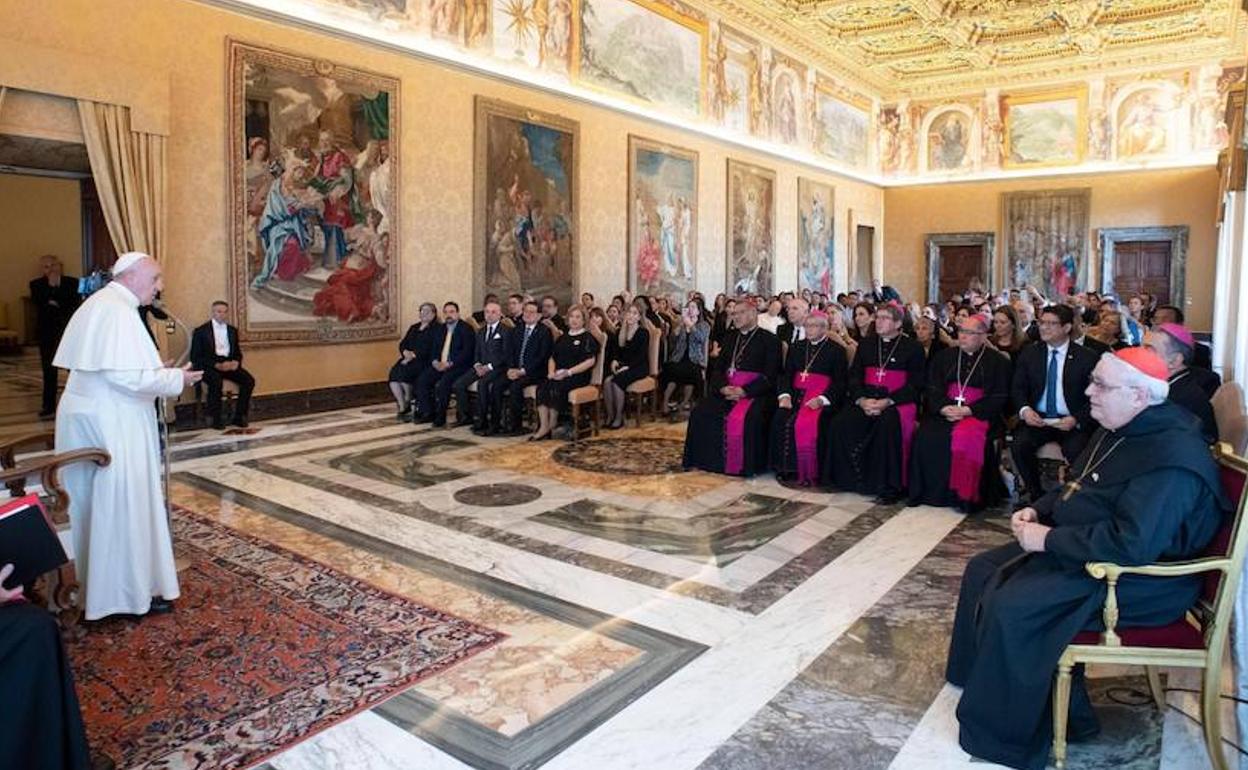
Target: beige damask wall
{"points": [[184, 42]]}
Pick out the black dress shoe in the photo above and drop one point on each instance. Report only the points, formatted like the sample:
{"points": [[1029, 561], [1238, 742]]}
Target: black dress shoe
{"points": [[102, 762], [421, 418], [888, 498], [240, 422], [437, 424], [47, 414], [160, 606], [218, 424]]}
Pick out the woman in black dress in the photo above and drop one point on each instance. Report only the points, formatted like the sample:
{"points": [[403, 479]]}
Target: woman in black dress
{"points": [[571, 366], [864, 322], [414, 355], [632, 362]]}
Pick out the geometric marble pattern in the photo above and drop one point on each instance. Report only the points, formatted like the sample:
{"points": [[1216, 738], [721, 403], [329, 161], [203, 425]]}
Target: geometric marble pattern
{"points": [[667, 622]]}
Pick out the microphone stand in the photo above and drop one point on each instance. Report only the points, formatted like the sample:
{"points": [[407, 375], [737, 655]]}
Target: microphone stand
{"points": [[172, 324]]}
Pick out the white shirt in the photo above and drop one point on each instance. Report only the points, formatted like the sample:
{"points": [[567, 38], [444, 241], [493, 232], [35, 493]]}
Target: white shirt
{"points": [[769, 322], [221, 336], [1062, 409]]}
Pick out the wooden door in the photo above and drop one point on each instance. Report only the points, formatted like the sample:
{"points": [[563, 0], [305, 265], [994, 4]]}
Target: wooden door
{"points": [[1142, 266], [959, 265], [864, 257], [97, 246]]}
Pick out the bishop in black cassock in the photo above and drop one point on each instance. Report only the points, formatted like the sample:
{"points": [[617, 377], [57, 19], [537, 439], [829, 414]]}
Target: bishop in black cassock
{"points": [[1188, 386], [812, 389], [870, 448], [728, 430], [953, 461], [1144, 490]]}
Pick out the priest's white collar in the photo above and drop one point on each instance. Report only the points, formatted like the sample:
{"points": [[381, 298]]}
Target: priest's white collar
{"points": [[130, 297]]}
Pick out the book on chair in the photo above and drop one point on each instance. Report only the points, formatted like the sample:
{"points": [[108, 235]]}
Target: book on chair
{"points": [[28, 541]]}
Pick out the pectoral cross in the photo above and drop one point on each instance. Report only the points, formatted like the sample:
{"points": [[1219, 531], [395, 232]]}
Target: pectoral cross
{"points": [[1071, 488], [732, 370], [879, 374], [802, 378], [960, 401]]}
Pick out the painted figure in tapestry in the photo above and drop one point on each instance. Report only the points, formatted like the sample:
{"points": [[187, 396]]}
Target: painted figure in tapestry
{"points": [[815, 249], [529, 239], [662, 228], [751, 218], [317, 179], [1046, 237]]}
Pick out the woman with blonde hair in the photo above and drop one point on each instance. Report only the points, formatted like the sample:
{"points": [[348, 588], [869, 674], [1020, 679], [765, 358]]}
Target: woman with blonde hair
{"points": [[631, 363], [570, 366]]}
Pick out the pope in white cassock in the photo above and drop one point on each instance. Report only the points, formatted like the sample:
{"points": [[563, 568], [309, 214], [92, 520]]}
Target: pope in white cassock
{"points": [[122, 547]]}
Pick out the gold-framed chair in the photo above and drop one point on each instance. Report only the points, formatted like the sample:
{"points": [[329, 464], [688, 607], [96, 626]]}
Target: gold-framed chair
{"points": [[591, 393], [64, 593], [1196, 641], [647, 386]]}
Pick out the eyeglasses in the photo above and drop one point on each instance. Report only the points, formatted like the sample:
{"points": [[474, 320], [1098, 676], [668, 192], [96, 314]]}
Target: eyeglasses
{"points": [[969, 331], [1099, 384]]}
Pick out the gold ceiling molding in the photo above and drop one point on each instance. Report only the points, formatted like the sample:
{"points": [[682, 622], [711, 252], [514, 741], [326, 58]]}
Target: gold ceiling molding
{"points": [[902, 48]]}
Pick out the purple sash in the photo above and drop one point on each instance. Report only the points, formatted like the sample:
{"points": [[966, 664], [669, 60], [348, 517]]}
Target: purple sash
{"points": [[970, 434], [734, 426], [806, 425], [894, 380]]}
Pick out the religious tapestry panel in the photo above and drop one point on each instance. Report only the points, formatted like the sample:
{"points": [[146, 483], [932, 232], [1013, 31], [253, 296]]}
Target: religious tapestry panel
{"points": [[751, 228], [525, 227], [815, 253], [313, 175], [1046, 239], [663, 218]]}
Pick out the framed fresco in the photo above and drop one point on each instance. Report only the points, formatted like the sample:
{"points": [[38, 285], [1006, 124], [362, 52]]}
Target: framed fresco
{"points": [[313, 183], [651, 51], [1045, 128], [736, 95], [751, 228], [662, 218], [948, 141], [815, 250], [842, 131], [789, 112], [526, 202], [1046, 239]]}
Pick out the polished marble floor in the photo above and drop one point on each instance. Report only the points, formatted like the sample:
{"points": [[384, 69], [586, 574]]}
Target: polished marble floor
{"points": [[654, 620]]}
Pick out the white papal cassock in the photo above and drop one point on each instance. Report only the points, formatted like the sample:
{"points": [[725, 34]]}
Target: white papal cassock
{"points": [[122, 548]]}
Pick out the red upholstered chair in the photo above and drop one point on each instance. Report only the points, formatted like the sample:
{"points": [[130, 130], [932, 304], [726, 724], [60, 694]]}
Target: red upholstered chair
{"points": [[1196, 641]]}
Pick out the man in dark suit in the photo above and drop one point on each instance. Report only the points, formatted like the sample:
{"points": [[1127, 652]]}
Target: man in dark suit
{"points": [[792, 329], [1190, 388], [550, 312], [1078, 332], [479, 315], [55, 297], [1049, 393], [881, 293], [452, 356], [531, 343], [215, 352], [490, 356]]}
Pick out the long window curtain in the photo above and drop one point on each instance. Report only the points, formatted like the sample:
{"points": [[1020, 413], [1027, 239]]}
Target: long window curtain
{"points": [[3, 91], [129, 173]]}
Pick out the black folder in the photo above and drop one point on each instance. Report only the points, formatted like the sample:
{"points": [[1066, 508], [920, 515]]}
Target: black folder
{"points": [[28, 541]]}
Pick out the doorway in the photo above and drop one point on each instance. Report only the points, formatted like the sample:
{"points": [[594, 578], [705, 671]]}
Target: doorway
{"points": [[957, 260], [1151, 260], [864, 257]]}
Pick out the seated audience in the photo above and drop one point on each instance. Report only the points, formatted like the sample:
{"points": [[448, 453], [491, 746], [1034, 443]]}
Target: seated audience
{"points": [[1007, 332], [685, 368], [871, 449], [530, 348], [491, 354], [1049, 395], [793, 328], [449, 359], [863, 321], [479, 315], [771, 320], [1202, 356], [550, 312], [811, 390], [1145, 490], [728, 429], [953, 461], [1108, 328], [570, 366], [1190, 388], [631, 362], [414, 354], [215, 352], [1078, 332]]}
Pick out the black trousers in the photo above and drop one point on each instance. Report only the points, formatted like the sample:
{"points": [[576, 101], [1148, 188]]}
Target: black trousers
{"points": [[513, 391], [489, 406], [241, 377], [47, 351], [1028, 440], [433, 392], [42, 729]]}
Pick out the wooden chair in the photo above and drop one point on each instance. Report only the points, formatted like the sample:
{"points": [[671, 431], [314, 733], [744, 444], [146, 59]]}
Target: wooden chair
{"points": [[591, 393], [15, 475], [1195, 641], [1228, 412], [637, 392], [229, 398]]}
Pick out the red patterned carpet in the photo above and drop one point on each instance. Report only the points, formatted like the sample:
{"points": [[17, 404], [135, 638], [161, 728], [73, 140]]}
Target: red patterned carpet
{"points": [[265, 649]]}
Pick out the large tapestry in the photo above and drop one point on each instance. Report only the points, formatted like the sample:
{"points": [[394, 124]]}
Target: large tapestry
{"points": [[313, 180], [525, 228], [1046, 239], [814, 236], [647, 50], [663, 218], [751, 228]]}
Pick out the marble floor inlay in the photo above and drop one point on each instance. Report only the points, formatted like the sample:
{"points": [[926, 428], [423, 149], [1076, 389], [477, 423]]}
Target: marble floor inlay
{"points": [[654, 619]]}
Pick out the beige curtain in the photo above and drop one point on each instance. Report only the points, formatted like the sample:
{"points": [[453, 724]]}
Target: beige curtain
{"points": [[129, 173], [3, 91]]}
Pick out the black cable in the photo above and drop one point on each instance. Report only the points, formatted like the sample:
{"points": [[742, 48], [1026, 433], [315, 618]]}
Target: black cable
{"points": [[1142, 697]]}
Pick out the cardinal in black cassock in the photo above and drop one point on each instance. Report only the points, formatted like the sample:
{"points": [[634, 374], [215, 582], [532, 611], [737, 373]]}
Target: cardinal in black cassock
{"points": [[1144, 490], [870, 448], [728, 429], [952, 461], [812, 389]]}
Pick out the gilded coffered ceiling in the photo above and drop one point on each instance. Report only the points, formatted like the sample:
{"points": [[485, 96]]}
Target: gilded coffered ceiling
{"points": [[924, 47]]}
